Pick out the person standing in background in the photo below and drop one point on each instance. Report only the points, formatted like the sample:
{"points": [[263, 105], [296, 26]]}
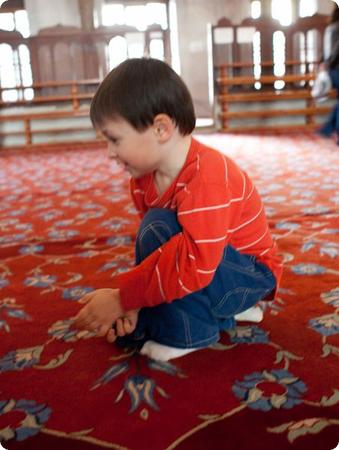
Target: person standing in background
{"points": [[331, 64]]}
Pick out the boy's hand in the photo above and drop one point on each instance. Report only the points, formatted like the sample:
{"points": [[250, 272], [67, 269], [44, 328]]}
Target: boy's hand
{"points": [[124, 325], [102, 309]]}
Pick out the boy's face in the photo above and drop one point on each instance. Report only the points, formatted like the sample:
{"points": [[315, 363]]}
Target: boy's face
{"points": [[138, 151]]}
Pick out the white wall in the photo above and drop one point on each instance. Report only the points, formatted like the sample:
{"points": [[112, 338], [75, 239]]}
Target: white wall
{"points": [[325, 6], [193, 18], [46, 13]]}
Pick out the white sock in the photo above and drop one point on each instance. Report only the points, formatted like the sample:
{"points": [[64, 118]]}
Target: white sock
{"points": [[253, 314], [161, 352]]}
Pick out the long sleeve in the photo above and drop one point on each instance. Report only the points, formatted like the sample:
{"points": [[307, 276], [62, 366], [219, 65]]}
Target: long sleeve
{"points": [[186, 262], [216, 204]]}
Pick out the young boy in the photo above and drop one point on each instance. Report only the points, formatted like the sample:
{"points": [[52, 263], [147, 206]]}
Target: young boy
{"points": [[204, 252]]}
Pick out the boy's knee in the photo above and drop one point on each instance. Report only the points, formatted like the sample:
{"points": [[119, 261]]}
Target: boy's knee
{"points": [[158, 215], [157, 227], [159, 220]]}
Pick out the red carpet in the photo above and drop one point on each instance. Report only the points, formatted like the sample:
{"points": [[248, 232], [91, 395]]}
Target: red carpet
{"points": [[67, 226]]}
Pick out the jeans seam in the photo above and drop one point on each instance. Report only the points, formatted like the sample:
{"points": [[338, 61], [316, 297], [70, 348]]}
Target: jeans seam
{"points": [[194, 344], [188, 337], [247, 271], [151, 225], [154, 230], [246, 291]]}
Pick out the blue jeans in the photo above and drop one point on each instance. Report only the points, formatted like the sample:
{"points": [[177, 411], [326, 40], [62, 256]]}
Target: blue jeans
{"points": [[196, 320], [332, 122]]}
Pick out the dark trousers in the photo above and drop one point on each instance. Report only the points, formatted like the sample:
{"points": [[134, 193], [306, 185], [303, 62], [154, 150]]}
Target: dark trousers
{"points": [[331, 124], [195, 320]]}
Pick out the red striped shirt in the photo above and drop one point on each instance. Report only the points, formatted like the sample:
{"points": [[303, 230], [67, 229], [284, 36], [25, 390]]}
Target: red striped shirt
{"points": [[216, 205]]}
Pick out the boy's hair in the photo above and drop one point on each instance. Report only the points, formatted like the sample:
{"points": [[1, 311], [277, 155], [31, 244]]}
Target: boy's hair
{"points": [[335, 14], [139, 89]]}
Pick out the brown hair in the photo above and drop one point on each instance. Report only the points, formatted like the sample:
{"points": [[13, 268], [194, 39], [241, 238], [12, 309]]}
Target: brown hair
{"points": [[335, 14], [139, 89]]}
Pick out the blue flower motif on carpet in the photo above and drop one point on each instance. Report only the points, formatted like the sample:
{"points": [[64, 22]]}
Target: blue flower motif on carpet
{"points": [[111, 373], [36, 415], [316, 210], [31, 249], [287, 225], [331, 298], [18, 212], [119, 240], [115, 224], [267, 390], [7, 222], [63, 234], [308, 269], [20, 359], [87, 254], [24, 226], [248, 335], [63, 223], [50, 215], [40, 281], [11, 238], [326, 325], [62, 330], [3, 282], [274, 199], [330, 249], [109, 265], [76, 293], [141, 390], [9, 308], [90, 206], [330, 231], [89, 215]]}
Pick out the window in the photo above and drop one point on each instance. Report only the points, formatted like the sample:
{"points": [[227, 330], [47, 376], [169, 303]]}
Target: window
{"points": [[138, 16], [157, 48], [117, 50], [256, 9], [279, 58], [15, 70], [257, 59], [307, 7], [15, 21], [15, 64], [282, 11]]}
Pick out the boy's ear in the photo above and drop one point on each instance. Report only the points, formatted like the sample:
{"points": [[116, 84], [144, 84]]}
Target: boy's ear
{"points": [[163, 127]]}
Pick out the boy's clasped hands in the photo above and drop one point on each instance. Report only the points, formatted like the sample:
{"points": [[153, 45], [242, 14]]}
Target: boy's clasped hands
{"points": [[101, 311]]}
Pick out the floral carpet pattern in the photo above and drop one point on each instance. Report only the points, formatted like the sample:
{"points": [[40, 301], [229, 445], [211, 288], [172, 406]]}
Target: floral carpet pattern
{"points": [[67, 226]]}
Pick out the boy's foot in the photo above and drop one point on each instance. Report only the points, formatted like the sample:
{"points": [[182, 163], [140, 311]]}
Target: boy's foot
{"points": [[253, 314], [161, 352]]}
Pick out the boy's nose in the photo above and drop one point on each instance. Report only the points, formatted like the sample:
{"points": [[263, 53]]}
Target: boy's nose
{"points": [[111, 152]]}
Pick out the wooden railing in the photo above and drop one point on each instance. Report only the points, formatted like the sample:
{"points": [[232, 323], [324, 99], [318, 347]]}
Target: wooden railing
{"points": [[78, 90], [241, 91], [72, 104]]}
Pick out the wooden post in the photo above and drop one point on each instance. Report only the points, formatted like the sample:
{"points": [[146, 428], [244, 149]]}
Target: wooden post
{"points": [[74, 93], [223, 89], [28, 131]]}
